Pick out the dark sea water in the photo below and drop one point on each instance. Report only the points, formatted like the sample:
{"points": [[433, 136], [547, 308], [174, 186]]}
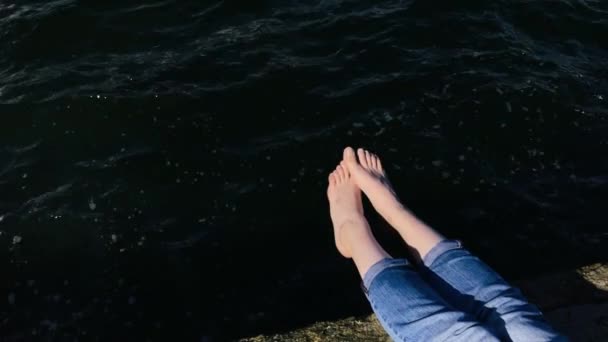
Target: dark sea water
{"points": [[163, 164]]}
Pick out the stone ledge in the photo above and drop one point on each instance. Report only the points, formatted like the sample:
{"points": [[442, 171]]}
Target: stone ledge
{"points": [[575, 302]]}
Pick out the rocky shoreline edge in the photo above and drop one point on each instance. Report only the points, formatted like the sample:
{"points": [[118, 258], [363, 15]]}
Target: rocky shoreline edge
{"points": [[574, 301]]}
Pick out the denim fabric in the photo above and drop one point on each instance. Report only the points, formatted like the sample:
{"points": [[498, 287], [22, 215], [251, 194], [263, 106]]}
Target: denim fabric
{"points": [[470, 285], [410, 310], [454, 297]]}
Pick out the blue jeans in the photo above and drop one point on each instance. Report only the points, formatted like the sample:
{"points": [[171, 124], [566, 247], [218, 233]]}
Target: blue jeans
{"points": [[454, 296]]}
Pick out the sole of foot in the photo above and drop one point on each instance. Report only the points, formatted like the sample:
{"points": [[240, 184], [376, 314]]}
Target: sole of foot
{"points": [[346, 208]]}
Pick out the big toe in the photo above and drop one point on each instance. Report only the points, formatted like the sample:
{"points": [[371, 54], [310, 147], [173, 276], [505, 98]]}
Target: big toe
{"points": [[350, 159], [349, 156]]}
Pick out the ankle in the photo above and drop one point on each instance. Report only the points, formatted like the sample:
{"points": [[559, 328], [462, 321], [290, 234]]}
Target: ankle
{"points": [[354, 230], [354, 223], [394, 212]]}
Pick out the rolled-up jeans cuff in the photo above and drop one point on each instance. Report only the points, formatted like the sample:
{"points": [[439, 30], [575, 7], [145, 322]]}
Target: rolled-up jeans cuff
{"points": [[377, 268], [439, 249]]}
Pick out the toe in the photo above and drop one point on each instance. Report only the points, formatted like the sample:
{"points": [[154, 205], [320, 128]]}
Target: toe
{"points": [[345, 168], [332, 179], [362, 159], [374, 159], [368, 158], [349, 155], [332, 185], [378, 164], [341, 175]]}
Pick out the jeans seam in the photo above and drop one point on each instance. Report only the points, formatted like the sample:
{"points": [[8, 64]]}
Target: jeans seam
{"points": [[390, 263], [365, 289], [457, 245]]}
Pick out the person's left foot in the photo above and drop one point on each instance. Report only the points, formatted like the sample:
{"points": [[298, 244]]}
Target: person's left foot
{"points": [[345, 207]]}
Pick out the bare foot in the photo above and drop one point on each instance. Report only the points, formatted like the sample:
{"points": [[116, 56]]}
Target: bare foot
{"points": [[346, 208], [369, 175]]}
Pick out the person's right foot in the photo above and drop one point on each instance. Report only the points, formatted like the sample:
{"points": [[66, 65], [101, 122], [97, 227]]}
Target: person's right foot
{"points": [[369, 175]]}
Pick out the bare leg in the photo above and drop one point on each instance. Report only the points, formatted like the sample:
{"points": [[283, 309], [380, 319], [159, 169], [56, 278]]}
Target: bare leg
{"points": [[463, 280], [370, 176], [406, 306], [354, 238]]}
